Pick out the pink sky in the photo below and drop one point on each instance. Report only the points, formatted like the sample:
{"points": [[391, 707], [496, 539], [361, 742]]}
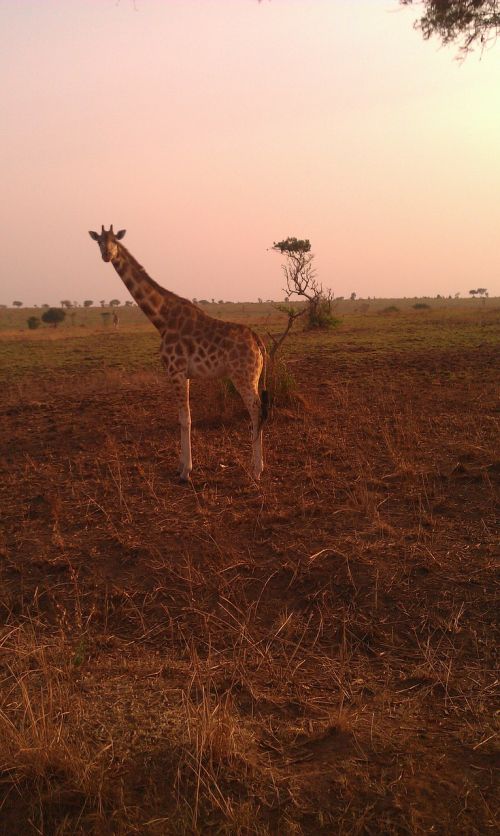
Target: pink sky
{"points": [[210, 128]]}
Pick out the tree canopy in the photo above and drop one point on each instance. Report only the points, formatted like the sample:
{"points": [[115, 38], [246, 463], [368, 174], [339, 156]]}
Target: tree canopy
{"points": [[465, 22], [53, 316]]}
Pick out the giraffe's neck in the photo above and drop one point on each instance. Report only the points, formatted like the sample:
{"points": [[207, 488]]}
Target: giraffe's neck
{"points": [[154, 300]]}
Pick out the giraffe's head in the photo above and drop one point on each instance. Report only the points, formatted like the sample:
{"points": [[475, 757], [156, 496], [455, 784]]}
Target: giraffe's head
{"points": [[107, 242]]}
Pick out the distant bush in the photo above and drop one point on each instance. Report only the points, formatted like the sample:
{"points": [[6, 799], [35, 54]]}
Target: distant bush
{"points": [[420, 306], [390, 309], [320, 316], [53, 316], [33, 323]]}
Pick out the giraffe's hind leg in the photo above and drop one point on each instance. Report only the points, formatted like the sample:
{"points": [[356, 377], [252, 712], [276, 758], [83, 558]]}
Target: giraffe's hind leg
{"points": [[250, 395], [181, 389]]}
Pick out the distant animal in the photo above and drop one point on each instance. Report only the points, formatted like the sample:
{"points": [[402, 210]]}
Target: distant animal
{"points": [[195, 345]]}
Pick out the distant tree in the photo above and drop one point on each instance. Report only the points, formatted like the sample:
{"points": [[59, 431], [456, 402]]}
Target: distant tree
{"points": [[105, 315], [220, 302], [17, 304], [204, 302], [128, 303], [472, 292], [301, 281], [114, 303], [3, 306], [88, 303], [457, 295], [66, 303], [53, 316], [102, 303], [465, 22], [482, 291], [33, 323], [45, 305], [353, 296]]}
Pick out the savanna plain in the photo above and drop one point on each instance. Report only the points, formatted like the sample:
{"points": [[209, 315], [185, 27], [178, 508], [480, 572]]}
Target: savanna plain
{"points": [[314, 654]]}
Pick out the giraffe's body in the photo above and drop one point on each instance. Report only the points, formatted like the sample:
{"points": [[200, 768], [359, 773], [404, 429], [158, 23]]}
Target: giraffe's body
{"points": [[194, 345]]}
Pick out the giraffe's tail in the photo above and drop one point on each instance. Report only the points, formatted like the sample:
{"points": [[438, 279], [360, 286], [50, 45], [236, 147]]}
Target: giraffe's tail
{"points": [[264, 394], [264, 407]]}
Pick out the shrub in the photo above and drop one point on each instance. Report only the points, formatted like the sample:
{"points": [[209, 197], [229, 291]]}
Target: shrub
{"points": [[53, 316], [319, 315], [390, 309], [33, 323], [420, 306]]}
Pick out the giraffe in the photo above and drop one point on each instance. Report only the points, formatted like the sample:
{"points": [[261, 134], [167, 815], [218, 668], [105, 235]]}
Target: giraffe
{"points": [[194, 345]]}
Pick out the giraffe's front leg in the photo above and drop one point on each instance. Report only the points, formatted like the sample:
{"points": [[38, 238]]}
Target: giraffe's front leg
{"points": [[185, 461]]}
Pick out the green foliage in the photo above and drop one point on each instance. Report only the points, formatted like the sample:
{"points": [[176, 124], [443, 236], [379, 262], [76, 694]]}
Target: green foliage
{"points": [[292, 245], [462, 21], [33, 323], [320, 315], [53, 316]]}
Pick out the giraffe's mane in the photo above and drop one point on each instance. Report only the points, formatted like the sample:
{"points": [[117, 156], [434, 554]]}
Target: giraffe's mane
{"points": [[144, 275]]}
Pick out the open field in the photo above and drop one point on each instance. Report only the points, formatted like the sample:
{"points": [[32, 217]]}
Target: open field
{"points": [[314, 654]]}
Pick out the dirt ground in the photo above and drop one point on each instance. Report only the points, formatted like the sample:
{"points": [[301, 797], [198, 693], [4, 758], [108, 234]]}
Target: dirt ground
{"points": [[314, 654]]}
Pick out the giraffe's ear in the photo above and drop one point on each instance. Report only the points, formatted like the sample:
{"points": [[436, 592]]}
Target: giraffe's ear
{"points": [[94, 235], [120, 234]]}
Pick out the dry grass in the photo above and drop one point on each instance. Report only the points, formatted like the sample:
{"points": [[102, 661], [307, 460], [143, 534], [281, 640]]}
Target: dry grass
{"points": [[315, 654]]}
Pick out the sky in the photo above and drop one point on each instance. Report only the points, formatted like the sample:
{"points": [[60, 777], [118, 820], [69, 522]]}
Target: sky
{"points": [[209, 129]]}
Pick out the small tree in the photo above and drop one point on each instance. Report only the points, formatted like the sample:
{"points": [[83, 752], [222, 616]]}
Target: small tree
{"points": [[482, 291], [88, 303], [17, 304], [128, 303], [353, 296], [53, 316], [114, 303], [300, 277], [102, 303], [292, 314], [66, 303], [33, 323]]}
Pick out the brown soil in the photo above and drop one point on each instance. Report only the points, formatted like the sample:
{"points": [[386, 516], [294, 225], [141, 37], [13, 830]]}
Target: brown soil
{"points": [[314, 654]]}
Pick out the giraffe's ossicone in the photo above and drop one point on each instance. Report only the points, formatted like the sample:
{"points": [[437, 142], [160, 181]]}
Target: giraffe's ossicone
{"points": [[195, 345]]}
